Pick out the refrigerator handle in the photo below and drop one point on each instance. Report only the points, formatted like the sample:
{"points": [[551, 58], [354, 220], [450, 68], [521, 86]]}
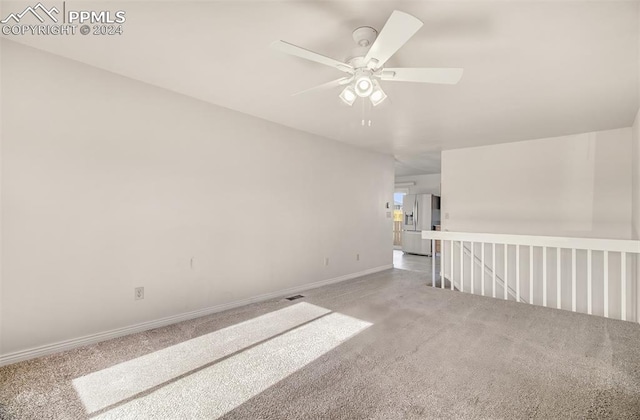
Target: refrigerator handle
{"points": [[417, 212]]}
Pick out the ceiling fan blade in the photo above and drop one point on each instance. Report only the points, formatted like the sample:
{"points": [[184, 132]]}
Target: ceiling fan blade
{"points": [[328, 85], [396, 32], [291, 49], [448, 76]]}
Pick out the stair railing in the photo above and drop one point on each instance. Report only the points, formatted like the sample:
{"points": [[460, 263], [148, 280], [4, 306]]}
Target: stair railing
{"points": [[589, 275]]}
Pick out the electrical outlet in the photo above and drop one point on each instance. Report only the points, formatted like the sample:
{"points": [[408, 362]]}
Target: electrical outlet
{"points": [[138, 293], [357, 257], [326, 260]]}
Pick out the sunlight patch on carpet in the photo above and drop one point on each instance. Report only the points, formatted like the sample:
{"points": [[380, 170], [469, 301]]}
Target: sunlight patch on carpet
{"points": [[213, 391], [112, 385]]}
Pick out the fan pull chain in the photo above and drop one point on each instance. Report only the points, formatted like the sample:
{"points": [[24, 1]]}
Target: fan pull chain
{"points": [[368, 121]]}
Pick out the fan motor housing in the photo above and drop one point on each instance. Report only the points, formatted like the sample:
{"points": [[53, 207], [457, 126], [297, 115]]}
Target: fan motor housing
{"points": [[363, 37]]}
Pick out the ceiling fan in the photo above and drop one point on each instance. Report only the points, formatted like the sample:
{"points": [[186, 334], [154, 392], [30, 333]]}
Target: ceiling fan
{"points": [[365, 66]]}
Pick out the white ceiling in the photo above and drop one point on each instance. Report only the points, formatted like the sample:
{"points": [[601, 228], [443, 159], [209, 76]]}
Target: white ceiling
{"points": [[532, 69]]}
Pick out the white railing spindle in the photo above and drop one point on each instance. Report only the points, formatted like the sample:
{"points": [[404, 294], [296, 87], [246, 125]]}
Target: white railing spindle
{"points": [[482, 266], [443, 266], [589, 283], [517, 273], [530, 274], [494, 268], [623, 286], [450, 279], [559, 277], [573, 279], [461, 267], [473, 265], [606, 284], [433, 262], [506, 267], [544, 276]]}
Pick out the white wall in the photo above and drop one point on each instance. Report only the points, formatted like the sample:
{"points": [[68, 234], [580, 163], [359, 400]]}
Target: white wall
{"points": [[424, 184], [576, 186], [109, 184]]}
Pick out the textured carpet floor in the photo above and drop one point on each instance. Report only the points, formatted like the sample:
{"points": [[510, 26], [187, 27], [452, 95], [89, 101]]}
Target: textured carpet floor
{"points": [[430, 353]]}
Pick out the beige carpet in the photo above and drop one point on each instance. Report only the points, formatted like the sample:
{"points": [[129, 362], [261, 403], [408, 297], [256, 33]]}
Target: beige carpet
{"points": [[420, 353]]}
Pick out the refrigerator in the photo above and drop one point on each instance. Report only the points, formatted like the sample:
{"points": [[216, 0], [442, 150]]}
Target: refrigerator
{"points": [[420, 212]]}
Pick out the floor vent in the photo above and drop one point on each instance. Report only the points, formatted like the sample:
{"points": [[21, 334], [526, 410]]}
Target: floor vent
{"points": [[295, 297]]}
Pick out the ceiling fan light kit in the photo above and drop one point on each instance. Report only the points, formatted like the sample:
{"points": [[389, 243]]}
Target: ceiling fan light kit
{"points": [[348, 95], [378, 96], [365, 66], [363, 83]]}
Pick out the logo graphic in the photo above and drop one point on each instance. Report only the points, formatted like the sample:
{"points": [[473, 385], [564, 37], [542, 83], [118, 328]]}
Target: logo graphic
{"points": [[70, 22], [34, 11]]}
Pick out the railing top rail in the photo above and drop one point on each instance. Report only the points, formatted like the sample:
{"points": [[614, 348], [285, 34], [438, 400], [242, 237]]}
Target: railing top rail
{"points": [[596, 244]]}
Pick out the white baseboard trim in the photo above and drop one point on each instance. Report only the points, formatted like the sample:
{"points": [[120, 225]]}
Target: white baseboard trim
{"points": [[32, 353]]}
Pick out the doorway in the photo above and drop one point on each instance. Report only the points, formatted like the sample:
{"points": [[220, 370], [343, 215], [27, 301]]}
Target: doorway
{"points": [[398, 197]]}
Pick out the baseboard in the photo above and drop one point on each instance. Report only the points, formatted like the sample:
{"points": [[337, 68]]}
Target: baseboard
{"points": [[60, 346]]}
